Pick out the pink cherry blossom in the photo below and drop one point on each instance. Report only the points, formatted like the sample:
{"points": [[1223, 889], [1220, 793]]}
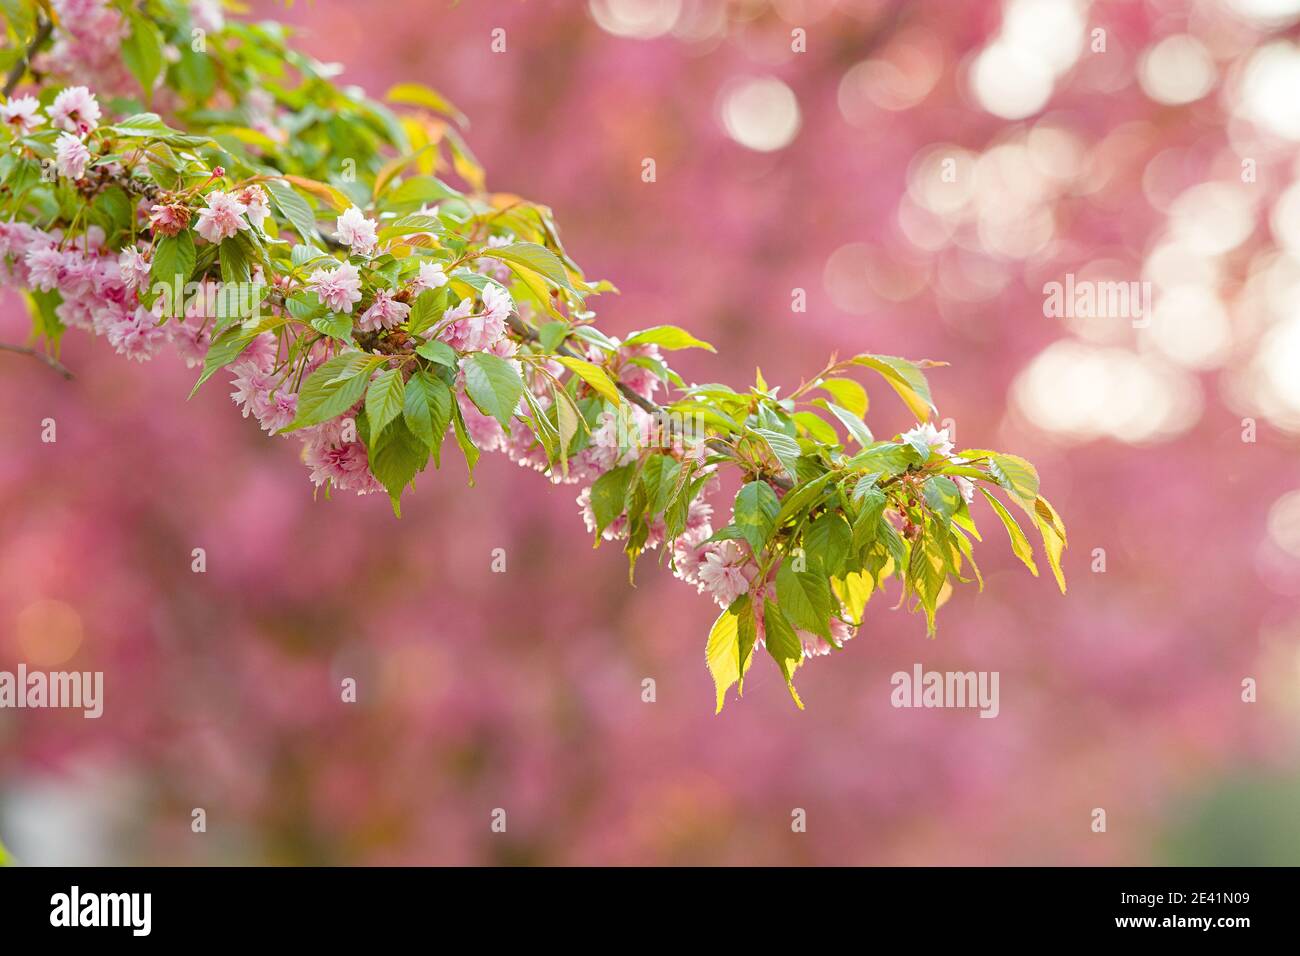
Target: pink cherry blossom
{"points": [[723, 572], [133, 267], [170, 219], [429, 276], [339, 289], [71, 156], [75, 110], [355, 230], [22, 114], [384, 313], [137, 336], [222, 218], [256, 204]]}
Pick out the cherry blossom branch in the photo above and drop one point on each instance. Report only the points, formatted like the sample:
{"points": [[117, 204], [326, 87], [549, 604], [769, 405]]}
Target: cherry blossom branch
{"points": [[45, 357], [43, 31], [523, 330]]}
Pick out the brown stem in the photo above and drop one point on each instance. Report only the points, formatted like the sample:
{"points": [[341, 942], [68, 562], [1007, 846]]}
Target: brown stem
{"points": [[43, 31], [45, 357]]}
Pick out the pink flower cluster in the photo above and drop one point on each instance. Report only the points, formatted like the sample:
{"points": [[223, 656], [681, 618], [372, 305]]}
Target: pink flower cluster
{"points": [[88, 44], [95, 284]]}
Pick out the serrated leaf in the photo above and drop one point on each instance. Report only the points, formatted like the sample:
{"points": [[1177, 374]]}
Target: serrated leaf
{"points": [[783, 644], [467, 446], [805, 597], [594, 376], [857, 428], [425, 311], [943, 497], [427, 410], [1020, 545], [396, 457], [294, 208], [668, 337], [438, 352], [385, 399], [905, 378], [337, 325], [609, 496], [756, 508], [722, 653], [323, 396], [535, 258], [784, 448], [848, 394], [1052, 528], [494, 385], [827, 542], [173, 262]]}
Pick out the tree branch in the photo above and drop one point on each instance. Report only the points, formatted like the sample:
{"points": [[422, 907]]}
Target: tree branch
{"points": [[45, 357], [43, 31]]}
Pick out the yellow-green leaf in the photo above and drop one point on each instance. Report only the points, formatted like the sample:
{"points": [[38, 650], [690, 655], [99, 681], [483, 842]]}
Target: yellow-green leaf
{"points": [[1019, 543], [594, 376]]}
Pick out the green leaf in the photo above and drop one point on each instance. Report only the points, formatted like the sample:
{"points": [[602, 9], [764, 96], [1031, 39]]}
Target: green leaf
{"points": [[802, 497], [847, 394], [927, 573], [905, 378], [467, 446], [756, 508], [385, 399], [856, 426], [783, 644], [234, 261], [609, 496], [493, 385], [730, 648], [805, 597], [173, 263], [226, 348], [1020, 545], [550, 335], [1012, 473], [427, 410], [536, 258], [827, 542], [594, 376], [337, 325], [142, 51], [784, 448], [867, 525], [396, 457], [425, 311], [438, 352], [886, 458], [324, 396], [294, 208], [668, 337], [943, 496], [1052, 529]]}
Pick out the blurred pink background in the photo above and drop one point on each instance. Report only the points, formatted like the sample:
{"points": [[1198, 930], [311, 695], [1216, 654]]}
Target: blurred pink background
{"points": [[776, 171]]}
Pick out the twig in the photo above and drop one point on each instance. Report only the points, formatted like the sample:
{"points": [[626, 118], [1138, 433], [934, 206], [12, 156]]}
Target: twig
{"points": [[45, 357], [43, 31]]}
